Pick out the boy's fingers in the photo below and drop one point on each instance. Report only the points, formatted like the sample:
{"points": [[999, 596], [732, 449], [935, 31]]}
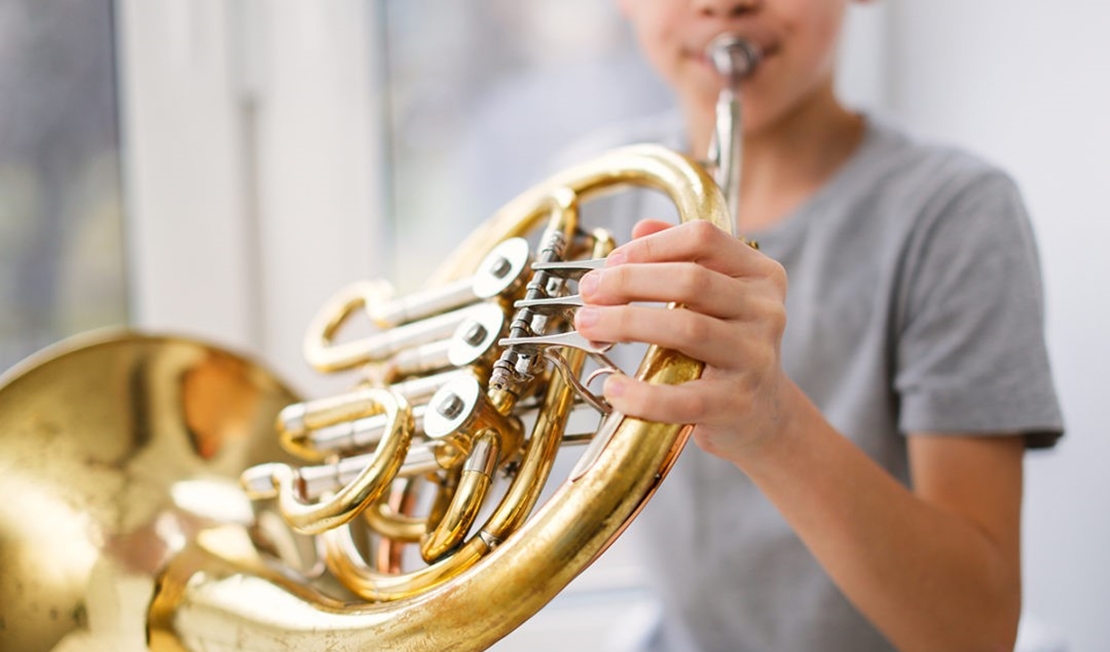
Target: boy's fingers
{"points": [[685, 403], [648, 227], [716, 342], [697, 241], [696, 287], [638, 399]]}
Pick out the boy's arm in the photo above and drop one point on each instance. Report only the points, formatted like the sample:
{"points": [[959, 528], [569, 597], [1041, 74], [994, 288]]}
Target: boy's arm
{"points": [[937, 567]]}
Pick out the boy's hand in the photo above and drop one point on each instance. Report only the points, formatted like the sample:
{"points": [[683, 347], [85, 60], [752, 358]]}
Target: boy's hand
{"points": [[733, 321]]}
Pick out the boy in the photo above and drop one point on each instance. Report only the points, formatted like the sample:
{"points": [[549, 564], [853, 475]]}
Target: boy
{"points": [[857, 479]]}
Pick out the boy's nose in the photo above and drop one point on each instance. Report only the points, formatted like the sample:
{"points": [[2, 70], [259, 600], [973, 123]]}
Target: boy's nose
{"points": [[725, 8]]}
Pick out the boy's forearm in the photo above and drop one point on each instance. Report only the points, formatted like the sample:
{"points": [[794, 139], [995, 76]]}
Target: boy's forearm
{"points": [[927, 578]]}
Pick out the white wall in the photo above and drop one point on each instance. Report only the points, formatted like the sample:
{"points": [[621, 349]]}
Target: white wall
{"points": [[1027, 84]]}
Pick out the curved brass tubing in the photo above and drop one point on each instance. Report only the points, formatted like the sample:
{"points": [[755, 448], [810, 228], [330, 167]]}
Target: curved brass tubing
{"points": [[127, 531]]}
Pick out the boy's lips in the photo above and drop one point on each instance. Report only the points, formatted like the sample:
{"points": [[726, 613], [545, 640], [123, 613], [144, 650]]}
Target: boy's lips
{"points": [[700, 55]]}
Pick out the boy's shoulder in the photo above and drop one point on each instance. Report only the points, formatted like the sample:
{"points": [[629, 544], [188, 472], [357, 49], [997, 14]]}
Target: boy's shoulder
{"points": [[900, 157], [907, 185]]}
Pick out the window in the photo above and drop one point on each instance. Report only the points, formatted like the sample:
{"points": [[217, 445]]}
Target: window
{"points": [[61, 235], [483, 95]]}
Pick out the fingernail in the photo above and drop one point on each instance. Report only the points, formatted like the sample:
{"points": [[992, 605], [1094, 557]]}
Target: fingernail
{"points": [[586, 316], [614, 386], [588, 285], [616, 258]]}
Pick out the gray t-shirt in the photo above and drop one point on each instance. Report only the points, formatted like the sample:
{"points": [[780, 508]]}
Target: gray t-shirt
{"points": [[915, 304]]}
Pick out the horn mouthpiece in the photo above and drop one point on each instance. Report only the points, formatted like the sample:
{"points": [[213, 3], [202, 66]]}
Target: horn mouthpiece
{"points": [[734, 58]]}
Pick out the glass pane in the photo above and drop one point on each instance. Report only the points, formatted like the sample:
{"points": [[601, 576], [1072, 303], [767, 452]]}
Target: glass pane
{"points": [[61, 240], [483, 95]]}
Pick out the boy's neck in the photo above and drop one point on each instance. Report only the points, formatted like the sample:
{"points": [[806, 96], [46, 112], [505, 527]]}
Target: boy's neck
{"points": [[788, 160]]}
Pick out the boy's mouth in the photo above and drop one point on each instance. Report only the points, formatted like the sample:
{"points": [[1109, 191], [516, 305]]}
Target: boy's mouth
{"points": [[734, 58], [703, 57]]}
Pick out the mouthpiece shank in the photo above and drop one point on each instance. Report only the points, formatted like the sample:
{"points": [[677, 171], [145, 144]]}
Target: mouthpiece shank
{"points": [[735, 59]]}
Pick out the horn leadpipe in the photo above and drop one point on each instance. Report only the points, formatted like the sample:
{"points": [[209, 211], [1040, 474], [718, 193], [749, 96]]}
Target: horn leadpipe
{"points": [[735, 60]]}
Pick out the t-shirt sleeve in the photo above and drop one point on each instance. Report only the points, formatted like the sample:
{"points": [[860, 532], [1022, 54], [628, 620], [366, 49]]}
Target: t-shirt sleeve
{"points": [[971, 354]]}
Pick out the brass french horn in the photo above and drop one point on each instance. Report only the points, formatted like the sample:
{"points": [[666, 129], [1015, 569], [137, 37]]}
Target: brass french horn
{"points": [[147, 505]]}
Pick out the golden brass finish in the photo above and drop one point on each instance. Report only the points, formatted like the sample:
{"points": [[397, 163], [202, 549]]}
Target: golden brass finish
{"points": [[371, 483], [115, 450], [108, 448], [319, 349], [394, 526], [466, 501]]}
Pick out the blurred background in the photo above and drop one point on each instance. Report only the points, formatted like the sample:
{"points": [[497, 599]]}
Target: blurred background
{"points": [[218, 169]]}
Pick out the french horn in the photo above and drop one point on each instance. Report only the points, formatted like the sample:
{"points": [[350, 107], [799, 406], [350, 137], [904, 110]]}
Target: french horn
{"points": [[148, 504]]}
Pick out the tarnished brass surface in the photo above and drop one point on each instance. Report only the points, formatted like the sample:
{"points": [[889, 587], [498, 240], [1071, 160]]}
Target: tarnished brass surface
{"points": [[115, 450], [111, 446]]}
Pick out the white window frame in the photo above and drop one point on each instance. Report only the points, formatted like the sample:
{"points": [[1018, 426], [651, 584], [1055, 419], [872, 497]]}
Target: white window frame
{"points": [[250, 196]]}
